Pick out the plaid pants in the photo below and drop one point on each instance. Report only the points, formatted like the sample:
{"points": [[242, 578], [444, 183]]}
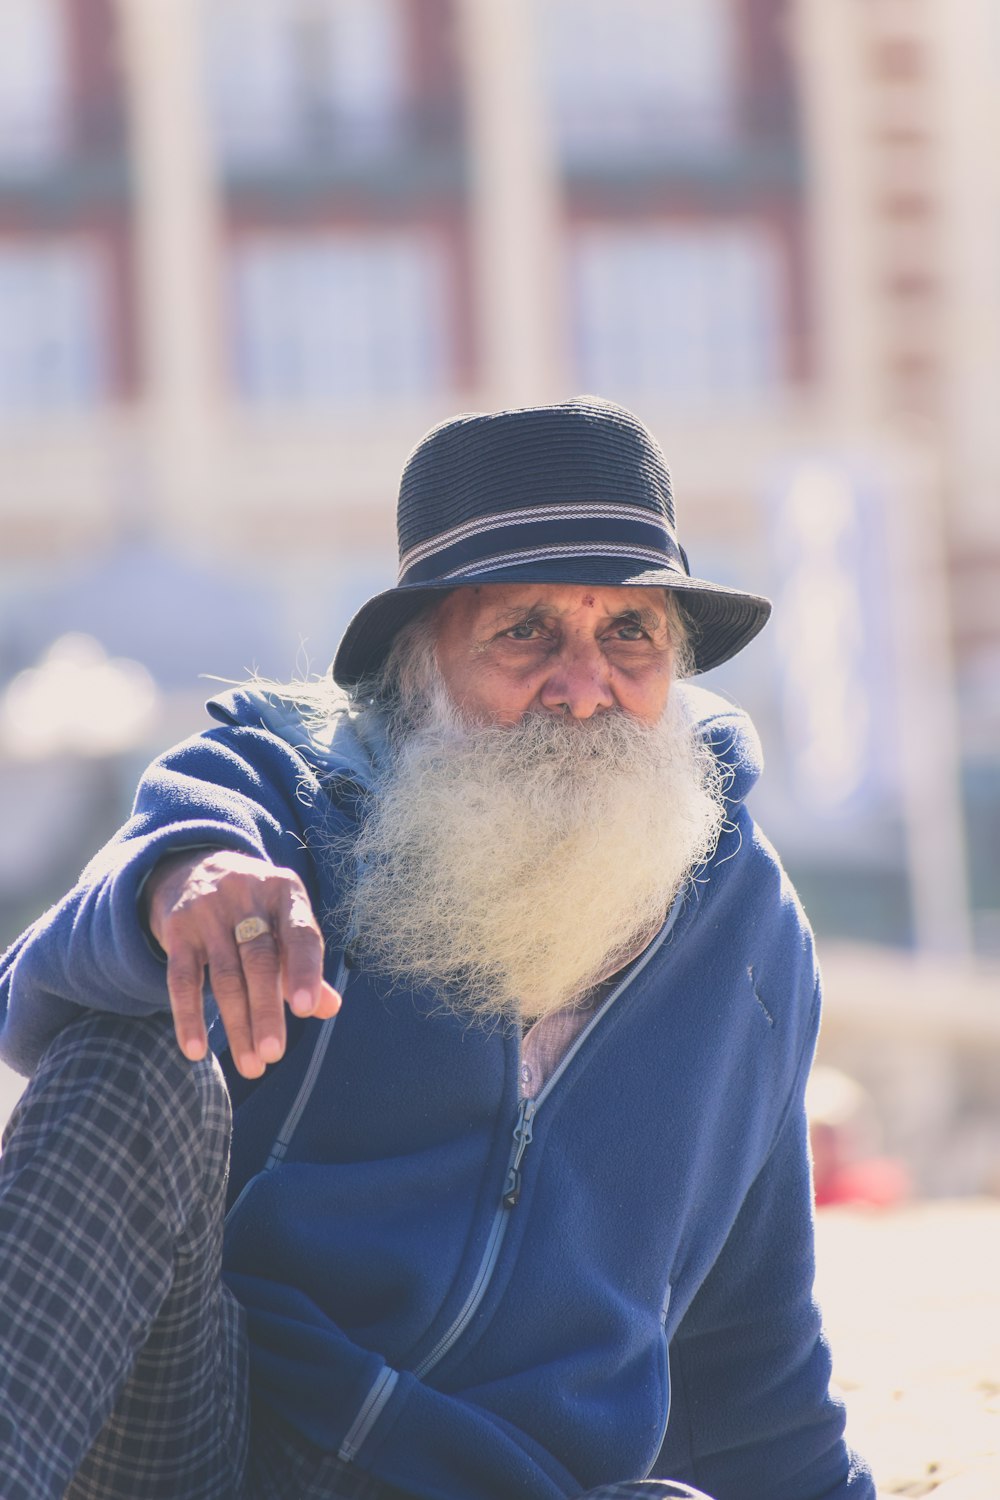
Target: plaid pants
{"points": [[123, 1361]]}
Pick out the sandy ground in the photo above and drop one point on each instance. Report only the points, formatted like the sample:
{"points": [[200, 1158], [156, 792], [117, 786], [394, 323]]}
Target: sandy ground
{"points": [[911, 1299]]}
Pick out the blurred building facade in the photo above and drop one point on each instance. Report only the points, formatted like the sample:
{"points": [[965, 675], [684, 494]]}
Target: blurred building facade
{"points": [[251, 249]]}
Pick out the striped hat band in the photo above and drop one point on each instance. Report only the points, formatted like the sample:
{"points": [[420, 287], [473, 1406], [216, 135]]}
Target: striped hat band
{"points": [[534, 533]]}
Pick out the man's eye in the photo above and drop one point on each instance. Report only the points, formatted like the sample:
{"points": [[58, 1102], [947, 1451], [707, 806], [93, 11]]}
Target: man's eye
{"points": [[629, 630], [524, 632]]}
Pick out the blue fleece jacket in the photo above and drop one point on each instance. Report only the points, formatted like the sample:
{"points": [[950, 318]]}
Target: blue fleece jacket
{"points": [[473, 1298]]}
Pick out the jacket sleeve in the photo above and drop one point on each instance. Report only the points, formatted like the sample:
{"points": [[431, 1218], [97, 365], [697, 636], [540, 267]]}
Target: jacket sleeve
{"points": [[232, 788], [751, 1416]]}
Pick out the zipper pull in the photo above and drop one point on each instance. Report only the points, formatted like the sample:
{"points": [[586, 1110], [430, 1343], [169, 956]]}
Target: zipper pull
{"points": [[522, 1135]]}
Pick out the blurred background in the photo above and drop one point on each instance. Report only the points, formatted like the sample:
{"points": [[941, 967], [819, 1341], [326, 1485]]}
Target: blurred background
{"points": [[251, 249]]}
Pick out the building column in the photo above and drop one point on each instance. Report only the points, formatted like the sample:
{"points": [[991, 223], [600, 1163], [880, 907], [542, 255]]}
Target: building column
{"points": [[519, 296], [841, 225], [176, 236], [869, 130], [929, 749], [966, 50]]}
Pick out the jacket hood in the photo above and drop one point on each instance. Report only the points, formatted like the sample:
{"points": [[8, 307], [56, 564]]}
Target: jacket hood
{"points": [[338, 742], [333, 737], [730, 732]]}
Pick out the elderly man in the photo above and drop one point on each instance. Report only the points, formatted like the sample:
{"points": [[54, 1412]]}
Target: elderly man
{"points": [[519, 1196]]}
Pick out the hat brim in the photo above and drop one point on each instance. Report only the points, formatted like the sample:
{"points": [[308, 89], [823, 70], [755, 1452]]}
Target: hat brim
{"points": [[724, 620]]}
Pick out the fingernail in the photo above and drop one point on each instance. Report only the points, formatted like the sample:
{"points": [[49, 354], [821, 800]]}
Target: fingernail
{"points": [[251, 1065], [302, 1003], [269, 1049], [193, 1049]]}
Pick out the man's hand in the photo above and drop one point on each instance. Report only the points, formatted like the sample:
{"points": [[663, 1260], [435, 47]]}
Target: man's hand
{"points": [[194, 901]]}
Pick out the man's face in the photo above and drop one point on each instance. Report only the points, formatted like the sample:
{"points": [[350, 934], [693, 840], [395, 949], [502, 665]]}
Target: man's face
{"points": [[506, 650], [543, 803]]}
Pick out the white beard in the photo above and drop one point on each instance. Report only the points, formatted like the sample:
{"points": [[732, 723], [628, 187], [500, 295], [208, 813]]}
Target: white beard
{"points": [[510, 869]]}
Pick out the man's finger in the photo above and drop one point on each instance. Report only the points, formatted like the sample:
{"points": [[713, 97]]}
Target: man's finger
{"points": [[225, 973], [185, 984], [301, 956], [329, 1002], [262, 978]]}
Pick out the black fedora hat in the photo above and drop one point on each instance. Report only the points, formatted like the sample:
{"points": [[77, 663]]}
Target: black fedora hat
{"points": [[578, 492]]}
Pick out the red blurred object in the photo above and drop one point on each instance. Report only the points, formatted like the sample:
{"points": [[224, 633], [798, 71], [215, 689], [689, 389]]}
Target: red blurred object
{"points": [[879, 1181], [843, 1133]]}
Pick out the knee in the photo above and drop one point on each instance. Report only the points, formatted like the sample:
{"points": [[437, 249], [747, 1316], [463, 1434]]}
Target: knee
{"points": [[128, 1077]]}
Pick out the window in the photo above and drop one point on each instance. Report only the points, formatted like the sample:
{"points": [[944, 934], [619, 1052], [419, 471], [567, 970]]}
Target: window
{"points": [[638, 76], [32, 84], [342, 318], [52, 322], [287, 75], [686, 311]]}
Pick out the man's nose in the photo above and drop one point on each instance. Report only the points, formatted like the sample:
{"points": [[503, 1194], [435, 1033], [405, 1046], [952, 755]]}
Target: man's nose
{"points": [[579, 682]]}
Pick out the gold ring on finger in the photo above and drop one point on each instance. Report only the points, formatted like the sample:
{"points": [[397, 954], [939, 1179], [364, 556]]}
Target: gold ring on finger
{"points": [[250, 928]]}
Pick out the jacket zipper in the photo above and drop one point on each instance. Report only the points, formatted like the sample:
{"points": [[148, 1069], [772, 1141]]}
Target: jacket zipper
{"points": [[371, 1409], [522, 1140], [289, 1124], [523, 1129], [498, 1231], [381, 1389]]}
